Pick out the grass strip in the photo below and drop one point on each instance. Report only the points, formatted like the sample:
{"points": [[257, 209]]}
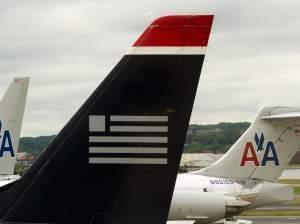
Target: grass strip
{"points": [[271, 213], [289, 181]]}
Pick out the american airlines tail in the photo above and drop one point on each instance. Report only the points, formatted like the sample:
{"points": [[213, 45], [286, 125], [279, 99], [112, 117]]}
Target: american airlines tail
{"points": [[116, 160], [11, 115], [264, 150]]}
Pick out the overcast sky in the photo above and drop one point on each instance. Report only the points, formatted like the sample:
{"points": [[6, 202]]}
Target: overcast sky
{"points": [[67, 47]]}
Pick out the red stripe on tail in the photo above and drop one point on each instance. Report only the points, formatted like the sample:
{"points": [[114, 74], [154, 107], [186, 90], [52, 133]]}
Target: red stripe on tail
{"points": [[183, 30]]}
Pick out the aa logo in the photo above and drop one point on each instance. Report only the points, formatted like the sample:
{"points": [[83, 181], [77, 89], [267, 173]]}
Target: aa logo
{"points": [[260, 146], [6, 143]]}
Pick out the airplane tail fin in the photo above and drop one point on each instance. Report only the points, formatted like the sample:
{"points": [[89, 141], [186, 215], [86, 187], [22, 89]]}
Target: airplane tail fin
{"points": [[11, 115], [116, 160], [264, 150]]}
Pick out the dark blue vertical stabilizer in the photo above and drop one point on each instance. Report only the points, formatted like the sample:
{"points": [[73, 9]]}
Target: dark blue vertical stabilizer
{"points": [[116, 160]]}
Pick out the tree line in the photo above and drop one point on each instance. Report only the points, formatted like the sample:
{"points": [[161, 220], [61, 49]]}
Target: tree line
{"points": [[211, 138], [214, 138]]}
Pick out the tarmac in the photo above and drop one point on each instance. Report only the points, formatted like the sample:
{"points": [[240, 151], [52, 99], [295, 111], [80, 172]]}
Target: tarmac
{"points": [[258, 220], [272, 219]]}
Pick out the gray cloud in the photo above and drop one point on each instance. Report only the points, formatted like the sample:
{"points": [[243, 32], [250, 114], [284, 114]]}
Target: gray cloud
{"points": [[68, 46]]}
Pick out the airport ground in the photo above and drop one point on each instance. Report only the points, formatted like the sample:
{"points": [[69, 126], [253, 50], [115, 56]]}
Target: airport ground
{"points": [[258, 220], [272, 219]]}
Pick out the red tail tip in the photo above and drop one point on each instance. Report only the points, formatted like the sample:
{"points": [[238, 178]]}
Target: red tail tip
{"points": [[177, 31]]}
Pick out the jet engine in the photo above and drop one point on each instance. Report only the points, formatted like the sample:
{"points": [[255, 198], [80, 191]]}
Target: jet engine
{"points": [[204, 207]]}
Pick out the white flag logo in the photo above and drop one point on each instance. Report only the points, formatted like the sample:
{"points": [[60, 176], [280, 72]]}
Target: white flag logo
{"points": [[128, 139]]}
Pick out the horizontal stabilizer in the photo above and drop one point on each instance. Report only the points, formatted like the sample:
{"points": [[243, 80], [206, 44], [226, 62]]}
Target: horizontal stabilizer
{"points": [[283, 113]]}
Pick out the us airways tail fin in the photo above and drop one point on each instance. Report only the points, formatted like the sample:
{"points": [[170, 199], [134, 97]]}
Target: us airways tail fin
{"points": [[116, 160], [11, 115], [265, 149]]}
